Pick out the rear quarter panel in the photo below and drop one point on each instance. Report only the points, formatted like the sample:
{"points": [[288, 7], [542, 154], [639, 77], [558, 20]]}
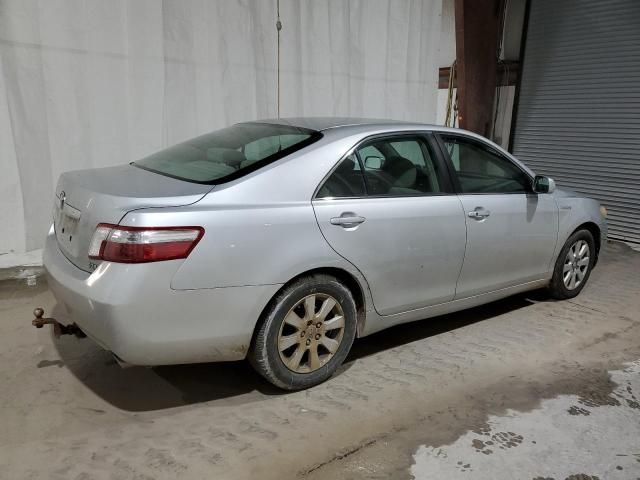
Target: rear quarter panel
{"points": [[246, 244], [260, 229]]}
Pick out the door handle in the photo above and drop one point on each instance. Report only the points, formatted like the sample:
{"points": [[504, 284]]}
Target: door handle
{"points": [[479, 213], [347, 219]]}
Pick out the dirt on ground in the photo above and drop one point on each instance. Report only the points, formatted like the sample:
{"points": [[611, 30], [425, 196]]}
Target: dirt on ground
{"points": [[68, 411]]}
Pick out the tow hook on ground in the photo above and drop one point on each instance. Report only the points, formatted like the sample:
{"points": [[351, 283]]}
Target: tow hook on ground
{"points": [[58, 328]]}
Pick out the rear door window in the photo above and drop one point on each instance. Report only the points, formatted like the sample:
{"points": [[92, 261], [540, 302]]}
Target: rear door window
{"points": [[398, 166], [346, 181], [389, 166]]}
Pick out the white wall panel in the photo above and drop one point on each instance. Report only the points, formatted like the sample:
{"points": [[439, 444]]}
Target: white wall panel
{"points": [[90, 83], [12, 211], [373, 58], [24, 86], [447, 41]]}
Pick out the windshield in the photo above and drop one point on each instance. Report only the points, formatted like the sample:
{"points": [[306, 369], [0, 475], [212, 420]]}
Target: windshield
{"points": [[229, 153]]}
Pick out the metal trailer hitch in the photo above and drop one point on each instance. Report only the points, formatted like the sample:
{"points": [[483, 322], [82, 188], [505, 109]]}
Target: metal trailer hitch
{"points": [[58, 328]]}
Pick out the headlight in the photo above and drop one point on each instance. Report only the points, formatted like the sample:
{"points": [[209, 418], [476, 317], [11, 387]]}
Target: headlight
{"points": [[603, 212]]}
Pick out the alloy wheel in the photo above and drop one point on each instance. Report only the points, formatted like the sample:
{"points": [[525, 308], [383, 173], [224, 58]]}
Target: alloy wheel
{"points": [[576, 265], [311, 333]]}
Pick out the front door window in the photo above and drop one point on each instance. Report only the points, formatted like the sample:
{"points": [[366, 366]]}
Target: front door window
{"points": [[481, 170]]}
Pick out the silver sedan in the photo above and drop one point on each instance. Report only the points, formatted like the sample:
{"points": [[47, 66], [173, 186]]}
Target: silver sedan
{"points": [[284, 240]]}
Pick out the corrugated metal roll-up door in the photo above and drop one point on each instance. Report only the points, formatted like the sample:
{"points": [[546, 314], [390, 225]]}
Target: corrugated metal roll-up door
{"points": [[578, 113]]}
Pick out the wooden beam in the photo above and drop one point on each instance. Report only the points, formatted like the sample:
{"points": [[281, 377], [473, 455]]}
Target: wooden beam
{"points": [[477, 33], [506, 74]]}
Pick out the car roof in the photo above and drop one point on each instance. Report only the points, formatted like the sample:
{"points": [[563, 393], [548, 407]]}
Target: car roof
{"points": [[325, 123], [345, 126]]}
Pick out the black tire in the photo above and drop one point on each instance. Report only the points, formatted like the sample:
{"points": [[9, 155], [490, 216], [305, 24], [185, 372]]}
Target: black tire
{"points": [[557, 287], [265, 355]]}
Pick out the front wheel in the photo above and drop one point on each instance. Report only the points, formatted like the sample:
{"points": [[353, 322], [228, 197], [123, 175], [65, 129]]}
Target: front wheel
{"points": [[306, 333], [573, 265]]}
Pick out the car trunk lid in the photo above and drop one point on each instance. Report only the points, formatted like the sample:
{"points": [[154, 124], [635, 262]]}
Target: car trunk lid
{"points": [[85, 198]]}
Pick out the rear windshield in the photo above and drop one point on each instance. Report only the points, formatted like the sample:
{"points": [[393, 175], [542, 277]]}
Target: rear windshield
{"points": [[229, 153]]}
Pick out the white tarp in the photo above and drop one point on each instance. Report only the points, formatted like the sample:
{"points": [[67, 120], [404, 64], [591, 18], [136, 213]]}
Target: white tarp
{"points": [[89, 83]]}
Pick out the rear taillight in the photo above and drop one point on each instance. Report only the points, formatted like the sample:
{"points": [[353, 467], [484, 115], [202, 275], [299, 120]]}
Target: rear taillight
{"points": [[120, 244]]}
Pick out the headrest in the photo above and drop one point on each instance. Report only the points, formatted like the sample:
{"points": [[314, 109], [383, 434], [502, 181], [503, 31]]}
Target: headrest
{"points": [[402, 170], [228, 156], [347, 165]]}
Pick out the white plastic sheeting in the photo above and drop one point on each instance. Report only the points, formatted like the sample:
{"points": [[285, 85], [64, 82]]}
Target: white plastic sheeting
{"points": [[89, 83], [371, 58]]}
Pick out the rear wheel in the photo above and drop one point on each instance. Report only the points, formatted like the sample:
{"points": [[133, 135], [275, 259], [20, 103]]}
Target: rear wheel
{"points": [[573, 265], [306, 333]]}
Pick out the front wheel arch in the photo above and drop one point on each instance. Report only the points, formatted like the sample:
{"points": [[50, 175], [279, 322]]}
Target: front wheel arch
{"points": [[565, 265], [594, 229]]}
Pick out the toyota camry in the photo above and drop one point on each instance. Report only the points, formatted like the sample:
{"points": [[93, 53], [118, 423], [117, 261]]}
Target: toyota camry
{"points": [[281, 241]]}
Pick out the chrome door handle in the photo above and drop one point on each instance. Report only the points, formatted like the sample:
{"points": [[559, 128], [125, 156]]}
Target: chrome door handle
{"points": [[479, 213], [347, 220]]}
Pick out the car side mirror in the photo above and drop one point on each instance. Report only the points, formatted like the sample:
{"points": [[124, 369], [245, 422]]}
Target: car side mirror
{"points": [[542, 184], [373, 162]]}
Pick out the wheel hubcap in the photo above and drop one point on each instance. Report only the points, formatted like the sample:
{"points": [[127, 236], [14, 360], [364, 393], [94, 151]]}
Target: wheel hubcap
{"points": [[576, 265], [311, 333]]}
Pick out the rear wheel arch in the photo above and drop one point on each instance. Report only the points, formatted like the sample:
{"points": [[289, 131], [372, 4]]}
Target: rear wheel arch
{"points": [[308, 353], [348, 279]]}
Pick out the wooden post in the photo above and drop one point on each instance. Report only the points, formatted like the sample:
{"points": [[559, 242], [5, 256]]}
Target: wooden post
{"points": [[477, 34]]}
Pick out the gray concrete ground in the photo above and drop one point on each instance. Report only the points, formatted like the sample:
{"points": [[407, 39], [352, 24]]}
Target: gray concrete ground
{"points": [[522, 388]]}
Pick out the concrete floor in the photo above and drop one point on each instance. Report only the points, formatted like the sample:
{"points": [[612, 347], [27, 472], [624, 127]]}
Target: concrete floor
{"points": [[523, 388]]}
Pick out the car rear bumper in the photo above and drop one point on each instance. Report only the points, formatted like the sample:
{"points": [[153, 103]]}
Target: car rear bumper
{"points": [[132, 311]]}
